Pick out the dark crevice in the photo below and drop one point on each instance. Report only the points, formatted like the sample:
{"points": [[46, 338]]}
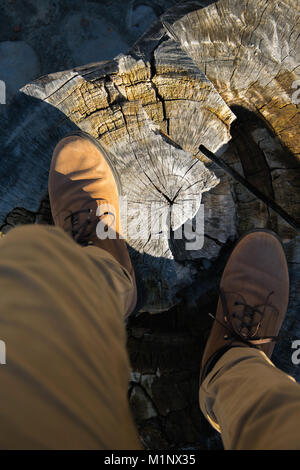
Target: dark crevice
{"points": [[146, 393], [253, 160], [214, 240], [152, 75], [170, 201]]}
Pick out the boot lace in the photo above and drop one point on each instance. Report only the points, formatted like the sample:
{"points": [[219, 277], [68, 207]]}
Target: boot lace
{"points": [[83, 231], [244, 325], [79, 231]]}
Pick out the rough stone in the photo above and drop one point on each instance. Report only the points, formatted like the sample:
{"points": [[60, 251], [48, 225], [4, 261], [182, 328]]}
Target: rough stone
{"points": [[19, 64], [92, 39], [140, 18]]}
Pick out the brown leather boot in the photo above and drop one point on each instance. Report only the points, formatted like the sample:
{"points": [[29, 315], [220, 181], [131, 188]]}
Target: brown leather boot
{"points": [[84, 196], [254, 294]]}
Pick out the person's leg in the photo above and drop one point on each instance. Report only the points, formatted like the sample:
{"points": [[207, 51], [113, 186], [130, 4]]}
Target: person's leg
{"points": [[252, 403], [242, 394], [62, 312], [65, 381]]}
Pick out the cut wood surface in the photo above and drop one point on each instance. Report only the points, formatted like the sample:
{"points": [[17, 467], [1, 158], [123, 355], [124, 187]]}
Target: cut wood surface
{"points": [[250, 51]]}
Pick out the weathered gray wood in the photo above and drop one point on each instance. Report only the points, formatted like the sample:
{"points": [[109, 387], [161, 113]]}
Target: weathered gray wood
{"points": [[250, 52]]}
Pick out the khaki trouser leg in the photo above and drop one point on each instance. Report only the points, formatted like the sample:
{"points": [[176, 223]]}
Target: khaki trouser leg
{"points": [[252, 403], [62, 307]]}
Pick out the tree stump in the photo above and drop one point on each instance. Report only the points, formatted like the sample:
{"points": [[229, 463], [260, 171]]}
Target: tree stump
{"points": [[150, 109], [250, 52], [220, 74]]}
